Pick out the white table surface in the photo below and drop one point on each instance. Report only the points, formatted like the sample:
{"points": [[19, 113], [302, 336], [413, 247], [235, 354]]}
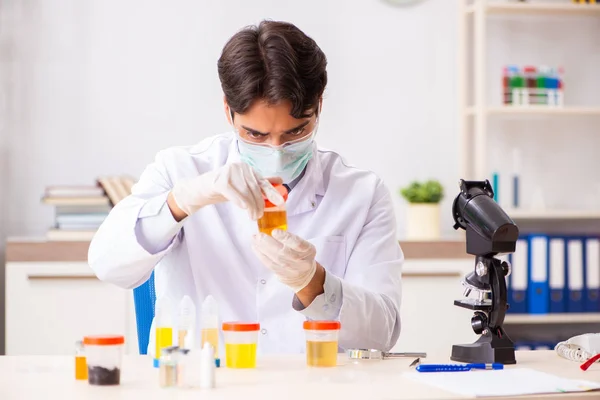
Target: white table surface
{"points": [[276, 377]]}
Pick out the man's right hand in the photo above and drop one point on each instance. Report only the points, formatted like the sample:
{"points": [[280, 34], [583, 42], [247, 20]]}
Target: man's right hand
{"points": [[236, 182]]}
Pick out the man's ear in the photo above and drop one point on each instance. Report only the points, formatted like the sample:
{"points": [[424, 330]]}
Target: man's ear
{"points": [[227, 111], [320, 105]]}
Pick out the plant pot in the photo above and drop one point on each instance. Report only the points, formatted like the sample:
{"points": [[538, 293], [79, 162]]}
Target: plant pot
{"points": [[423, 221]]}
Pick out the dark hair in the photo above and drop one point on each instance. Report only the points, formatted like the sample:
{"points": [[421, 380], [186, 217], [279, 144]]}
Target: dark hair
{"points": [[274, 61]]}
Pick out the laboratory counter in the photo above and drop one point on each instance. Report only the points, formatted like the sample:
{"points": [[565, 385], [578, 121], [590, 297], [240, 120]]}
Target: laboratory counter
{"points": [[33, 377], [40, 250]]}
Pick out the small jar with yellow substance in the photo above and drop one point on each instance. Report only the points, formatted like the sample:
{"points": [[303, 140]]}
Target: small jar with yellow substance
{"points": [[274, 217]]}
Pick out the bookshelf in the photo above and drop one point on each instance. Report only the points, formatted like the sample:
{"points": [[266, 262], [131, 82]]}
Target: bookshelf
{"points": [[477, 115], [474, 117]]}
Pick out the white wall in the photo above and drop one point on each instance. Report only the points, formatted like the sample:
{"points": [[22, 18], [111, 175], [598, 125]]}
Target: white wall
{"points": [[103, 85], [96, 87]]}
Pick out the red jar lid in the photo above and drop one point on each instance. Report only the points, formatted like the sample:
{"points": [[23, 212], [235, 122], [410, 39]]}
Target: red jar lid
{"points": [[322, 325], [282, 191], [241, 326], [103, 340]]}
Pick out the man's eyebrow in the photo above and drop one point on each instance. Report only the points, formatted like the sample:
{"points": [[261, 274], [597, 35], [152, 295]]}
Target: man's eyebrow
{"points": [[254, 131], [302, 125]]}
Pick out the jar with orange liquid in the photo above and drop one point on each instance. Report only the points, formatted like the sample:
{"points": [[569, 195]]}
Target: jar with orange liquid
{"points": [[321, 343], [81, 369], [274, 217]]}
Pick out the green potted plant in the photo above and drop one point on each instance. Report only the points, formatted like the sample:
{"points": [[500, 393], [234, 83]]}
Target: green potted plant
{"points": [[423, 210]]}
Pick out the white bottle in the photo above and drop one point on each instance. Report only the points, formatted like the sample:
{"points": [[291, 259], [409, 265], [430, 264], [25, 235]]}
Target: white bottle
{"points": [[210, 324], [186, 323], [163, 326], [207, 366]]}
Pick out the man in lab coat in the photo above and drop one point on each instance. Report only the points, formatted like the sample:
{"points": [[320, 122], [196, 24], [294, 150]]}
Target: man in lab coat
{"points": [[192, 216]]}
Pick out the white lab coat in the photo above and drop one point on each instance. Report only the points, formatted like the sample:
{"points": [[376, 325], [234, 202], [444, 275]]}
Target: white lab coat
{"points": [[347, 213]]}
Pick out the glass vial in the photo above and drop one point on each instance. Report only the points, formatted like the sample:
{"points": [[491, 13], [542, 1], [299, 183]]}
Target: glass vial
{"points": [[81, 370], [168, 361]]}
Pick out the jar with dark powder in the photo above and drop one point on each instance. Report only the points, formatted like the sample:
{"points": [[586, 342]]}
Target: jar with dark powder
{"points": [[104, 357]]}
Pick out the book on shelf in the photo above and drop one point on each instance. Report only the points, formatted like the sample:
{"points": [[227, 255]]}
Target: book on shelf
{"points": [[62, 235], [73, 191], [80, 210]]}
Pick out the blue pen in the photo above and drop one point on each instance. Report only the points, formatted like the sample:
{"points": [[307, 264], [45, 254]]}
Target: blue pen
{"points": [[457, 367]]}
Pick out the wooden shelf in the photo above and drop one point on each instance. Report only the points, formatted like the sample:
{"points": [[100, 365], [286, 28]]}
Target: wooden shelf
{"points": [[567, 318], [547, 215], [556, 9], [539, 110]]}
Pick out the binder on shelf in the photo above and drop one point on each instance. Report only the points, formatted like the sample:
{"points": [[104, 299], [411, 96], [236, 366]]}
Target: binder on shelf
{"points": [[538, 288], [517, 294], [575, 274], [592, 274], [556, 275]]}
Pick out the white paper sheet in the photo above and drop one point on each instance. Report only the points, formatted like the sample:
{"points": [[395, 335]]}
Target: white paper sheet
{"points": [[506, 382]]}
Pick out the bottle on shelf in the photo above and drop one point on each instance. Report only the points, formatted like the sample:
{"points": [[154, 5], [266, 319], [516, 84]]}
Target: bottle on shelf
{"points": [[517, 84], [542, 84], [530, 92], [506, 95]]}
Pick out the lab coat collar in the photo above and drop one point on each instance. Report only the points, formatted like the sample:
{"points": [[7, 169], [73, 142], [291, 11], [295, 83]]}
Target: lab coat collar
{"points": [[303, 197]]}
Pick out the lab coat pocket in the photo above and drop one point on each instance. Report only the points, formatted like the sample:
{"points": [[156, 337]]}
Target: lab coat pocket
{"points": [[331, 253]]}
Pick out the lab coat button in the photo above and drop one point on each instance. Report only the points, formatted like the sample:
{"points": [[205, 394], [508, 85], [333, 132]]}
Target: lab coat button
{"points": [[332, 298], [263, 331], [263, 281], [312, 204]]}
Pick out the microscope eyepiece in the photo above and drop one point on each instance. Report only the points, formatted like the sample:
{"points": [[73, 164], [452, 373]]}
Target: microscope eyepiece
{"points": [[489, 229]]}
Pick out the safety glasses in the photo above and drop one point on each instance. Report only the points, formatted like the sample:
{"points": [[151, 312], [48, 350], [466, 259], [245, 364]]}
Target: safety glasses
{"points": [[297, 145]]}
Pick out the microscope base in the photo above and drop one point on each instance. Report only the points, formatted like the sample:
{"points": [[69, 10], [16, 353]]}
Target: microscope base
{"points": [[485, 350]]}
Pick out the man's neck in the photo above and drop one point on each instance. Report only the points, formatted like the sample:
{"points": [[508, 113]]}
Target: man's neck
{"points": [[293, 183]]}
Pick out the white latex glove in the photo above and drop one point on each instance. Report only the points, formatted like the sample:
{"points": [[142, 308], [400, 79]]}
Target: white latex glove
{"points": [[291, 258], [236, 182]]}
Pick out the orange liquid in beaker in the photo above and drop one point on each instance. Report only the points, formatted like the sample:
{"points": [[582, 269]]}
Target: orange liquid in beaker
{"points": [[276, 219]]}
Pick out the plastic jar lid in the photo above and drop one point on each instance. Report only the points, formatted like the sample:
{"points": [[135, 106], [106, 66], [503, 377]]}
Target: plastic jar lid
{"points": [[103, 340], [241, 326], [282, 191], [322, 325]]}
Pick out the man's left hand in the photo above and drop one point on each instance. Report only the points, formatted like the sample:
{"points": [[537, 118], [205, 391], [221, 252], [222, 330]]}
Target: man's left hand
{"points": [[291, 258]]}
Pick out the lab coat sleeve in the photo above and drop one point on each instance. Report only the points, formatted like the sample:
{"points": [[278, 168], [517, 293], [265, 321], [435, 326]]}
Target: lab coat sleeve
{"points": [[371, 288], [138, 232], [325, 306]]}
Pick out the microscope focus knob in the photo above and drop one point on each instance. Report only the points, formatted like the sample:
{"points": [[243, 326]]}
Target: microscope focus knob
{"points": [[481, 269], [479, 322], [506, 267]]}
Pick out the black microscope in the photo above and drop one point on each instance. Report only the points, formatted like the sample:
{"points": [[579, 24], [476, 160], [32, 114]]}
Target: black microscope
{"points": [[490, 232]]}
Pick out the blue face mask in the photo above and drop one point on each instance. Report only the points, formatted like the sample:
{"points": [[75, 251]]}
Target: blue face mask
{"points": [[286, 161]]}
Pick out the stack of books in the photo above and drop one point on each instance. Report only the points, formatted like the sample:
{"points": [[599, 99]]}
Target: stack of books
{"points": [[80, 210]]}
